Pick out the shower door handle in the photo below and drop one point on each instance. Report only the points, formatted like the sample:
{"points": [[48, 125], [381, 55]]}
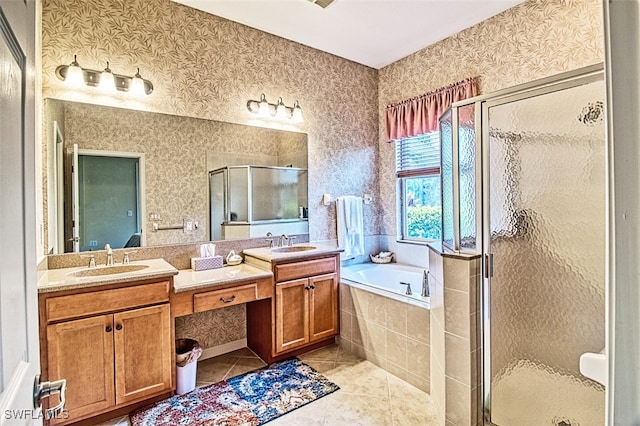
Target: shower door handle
{"points": [[488, 265]]}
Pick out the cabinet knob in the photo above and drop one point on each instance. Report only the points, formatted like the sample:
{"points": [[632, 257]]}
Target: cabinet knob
{"points": [[108, 329], [119, 327], [312, 287]]}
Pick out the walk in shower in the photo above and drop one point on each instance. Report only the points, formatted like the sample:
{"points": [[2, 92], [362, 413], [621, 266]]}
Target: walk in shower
{"points": [[541, 159]]}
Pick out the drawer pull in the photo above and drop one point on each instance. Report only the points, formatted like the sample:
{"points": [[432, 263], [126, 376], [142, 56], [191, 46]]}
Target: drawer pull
{"points": [[119, 327], [108, 329], [222, 299]]}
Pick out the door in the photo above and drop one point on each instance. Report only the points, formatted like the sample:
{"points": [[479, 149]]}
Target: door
{"points": [[19, 348], [108, 201], [323, 306], [292, 314], [545, 230], [142, 358], [81, 351]]}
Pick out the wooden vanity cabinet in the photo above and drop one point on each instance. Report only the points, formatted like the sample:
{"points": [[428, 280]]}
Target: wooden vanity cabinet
{"points": [[304, 312], [111, 354]]}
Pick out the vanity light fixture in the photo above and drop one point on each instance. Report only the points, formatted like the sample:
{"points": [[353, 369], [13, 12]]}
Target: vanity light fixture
{"points": [[278, 110], [107, 81], [76, 76]]}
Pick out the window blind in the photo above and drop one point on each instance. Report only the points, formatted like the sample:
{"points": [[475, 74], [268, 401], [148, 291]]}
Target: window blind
{"points": [[418, 155]]}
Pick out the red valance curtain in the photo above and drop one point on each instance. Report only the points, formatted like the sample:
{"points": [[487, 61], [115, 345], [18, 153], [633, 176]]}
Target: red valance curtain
{"points": [[419, 115]]}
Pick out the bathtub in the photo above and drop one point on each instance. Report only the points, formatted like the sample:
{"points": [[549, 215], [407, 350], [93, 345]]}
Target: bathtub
{"points": [[385, 279], [380, 323]]}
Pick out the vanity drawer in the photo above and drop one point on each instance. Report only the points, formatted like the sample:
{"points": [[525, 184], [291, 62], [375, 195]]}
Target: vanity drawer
{"points": [[225, 297], [102, 301], [307, 268]]}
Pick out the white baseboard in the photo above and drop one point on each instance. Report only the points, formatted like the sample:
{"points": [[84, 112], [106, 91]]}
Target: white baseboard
{"points": [[223, 349]]}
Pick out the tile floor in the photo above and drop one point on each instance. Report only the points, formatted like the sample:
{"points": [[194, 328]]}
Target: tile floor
{"points": [[368, 395]]}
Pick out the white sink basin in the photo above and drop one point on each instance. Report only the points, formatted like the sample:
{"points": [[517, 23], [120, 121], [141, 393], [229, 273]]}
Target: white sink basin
{"points": [[594, 366], [292, 249], [107, 270]]}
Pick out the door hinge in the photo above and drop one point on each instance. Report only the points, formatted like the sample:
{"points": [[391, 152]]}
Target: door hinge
{"points": [[488, 265]]}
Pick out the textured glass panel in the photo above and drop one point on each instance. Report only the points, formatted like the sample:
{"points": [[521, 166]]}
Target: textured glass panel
{"points": [[216, 194], [547, 218], [239, 194], [467, 180], [446, 139], [278, 193]]}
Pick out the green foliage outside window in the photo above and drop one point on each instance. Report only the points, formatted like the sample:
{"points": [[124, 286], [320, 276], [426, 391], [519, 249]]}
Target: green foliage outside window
{"points": [[424, 222]]}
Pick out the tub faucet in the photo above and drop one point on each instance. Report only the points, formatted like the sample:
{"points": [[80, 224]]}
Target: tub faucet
{"points": [[426, 292], [408, 292], [109, 255]]}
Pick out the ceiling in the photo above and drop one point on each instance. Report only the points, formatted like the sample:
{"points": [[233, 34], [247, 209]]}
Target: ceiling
{"points": [[375, 33]]}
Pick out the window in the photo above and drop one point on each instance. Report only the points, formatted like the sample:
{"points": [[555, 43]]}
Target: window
{"points": [[418, 174]]}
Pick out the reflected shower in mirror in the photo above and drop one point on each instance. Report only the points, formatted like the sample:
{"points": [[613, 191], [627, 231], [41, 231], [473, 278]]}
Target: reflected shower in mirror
{"points": [[173, 185]]}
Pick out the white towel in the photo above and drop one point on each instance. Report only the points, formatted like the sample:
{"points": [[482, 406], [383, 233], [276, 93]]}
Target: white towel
{"points": [[350, 223]]}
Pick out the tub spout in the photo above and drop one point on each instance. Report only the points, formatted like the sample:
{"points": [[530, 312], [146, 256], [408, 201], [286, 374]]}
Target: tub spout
{"points": [[425, 284], [408, 292]]}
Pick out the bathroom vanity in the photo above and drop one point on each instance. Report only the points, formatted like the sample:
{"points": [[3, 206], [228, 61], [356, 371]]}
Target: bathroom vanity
{"points": [[110, 331], [110, 336], [303, 314]]}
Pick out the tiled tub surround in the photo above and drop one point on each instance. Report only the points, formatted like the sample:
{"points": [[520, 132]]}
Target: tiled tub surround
{"points": [[390, 333]]}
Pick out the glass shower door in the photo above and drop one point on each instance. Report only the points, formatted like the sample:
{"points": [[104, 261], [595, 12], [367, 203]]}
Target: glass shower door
{"points": [[544, 186]]}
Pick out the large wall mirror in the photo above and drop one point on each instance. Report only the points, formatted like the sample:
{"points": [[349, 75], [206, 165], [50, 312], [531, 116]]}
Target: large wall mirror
{"points": [[131, 178]]}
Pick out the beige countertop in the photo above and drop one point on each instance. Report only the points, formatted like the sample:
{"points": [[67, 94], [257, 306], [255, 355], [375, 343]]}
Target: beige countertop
{"points": [[188, 279], [274, 255], [63, 279]]}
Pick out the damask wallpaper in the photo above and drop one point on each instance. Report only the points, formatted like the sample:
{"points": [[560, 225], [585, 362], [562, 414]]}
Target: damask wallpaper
{"points": [[536, 39]]}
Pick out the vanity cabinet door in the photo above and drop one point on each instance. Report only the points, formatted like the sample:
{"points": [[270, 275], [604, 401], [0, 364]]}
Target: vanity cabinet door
{"points": [[142, 359], [81, 351], [292, 314], [323, 307]]}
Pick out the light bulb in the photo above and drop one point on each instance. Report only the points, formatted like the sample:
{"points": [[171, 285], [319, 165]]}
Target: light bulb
{"points": [[107, 80], [281, 110], [296, 115], [75, 77], [263, 107], [137, 85]]}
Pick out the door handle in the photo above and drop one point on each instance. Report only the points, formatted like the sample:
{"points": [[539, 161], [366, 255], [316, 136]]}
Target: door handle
{"points": [[42, 390]]}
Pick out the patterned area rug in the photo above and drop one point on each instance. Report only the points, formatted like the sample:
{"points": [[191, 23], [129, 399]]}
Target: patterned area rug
{"points": [[249, 399]]}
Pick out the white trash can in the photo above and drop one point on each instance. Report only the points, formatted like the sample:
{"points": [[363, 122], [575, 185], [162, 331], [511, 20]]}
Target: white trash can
{"points": [[187, 353]]}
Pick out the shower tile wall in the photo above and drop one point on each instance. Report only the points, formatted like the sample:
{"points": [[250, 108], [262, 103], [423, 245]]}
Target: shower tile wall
{"points": [[455, 338], [391, 334]]}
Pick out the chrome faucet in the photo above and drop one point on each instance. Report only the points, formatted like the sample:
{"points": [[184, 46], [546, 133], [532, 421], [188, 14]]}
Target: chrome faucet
{"points": [[426, 292], [283, 238], [125, 259], [408, 292], [269, 239], [107, 247]]}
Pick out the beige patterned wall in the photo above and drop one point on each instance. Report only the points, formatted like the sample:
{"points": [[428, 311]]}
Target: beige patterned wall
{"points": [[534, 40], [207, 67]]}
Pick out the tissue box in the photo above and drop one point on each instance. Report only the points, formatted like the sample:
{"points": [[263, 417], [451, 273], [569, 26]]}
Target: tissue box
{"points": [[203, 263]]}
